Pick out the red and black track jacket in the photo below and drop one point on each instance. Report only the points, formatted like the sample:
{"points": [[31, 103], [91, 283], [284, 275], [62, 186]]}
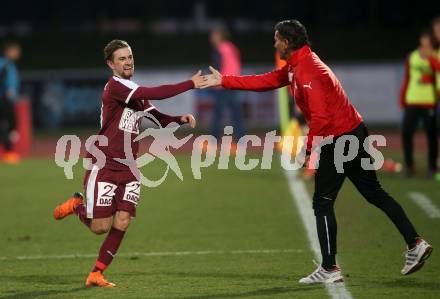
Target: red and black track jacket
{"points": [[317, 91]]}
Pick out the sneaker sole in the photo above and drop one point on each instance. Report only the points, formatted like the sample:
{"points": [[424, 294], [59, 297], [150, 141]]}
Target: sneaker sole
{"points": [[420, 264], [336, 281], [324, 282]]}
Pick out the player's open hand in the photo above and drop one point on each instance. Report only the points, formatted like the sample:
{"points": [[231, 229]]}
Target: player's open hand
{"points": [[198, 79], [213, 79], [188, 119]]}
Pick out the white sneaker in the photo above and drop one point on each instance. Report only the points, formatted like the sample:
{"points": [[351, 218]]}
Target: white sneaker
{"points": [[415, 258], [320, 275]]}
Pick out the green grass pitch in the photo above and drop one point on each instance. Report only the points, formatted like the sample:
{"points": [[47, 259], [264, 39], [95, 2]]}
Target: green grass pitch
{"points": [[205, 239]]}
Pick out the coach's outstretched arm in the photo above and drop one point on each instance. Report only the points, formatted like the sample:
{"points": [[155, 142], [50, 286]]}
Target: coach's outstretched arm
{"points": [[263, 82]]}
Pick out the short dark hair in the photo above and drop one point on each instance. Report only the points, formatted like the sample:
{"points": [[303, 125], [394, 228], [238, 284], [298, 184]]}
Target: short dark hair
{"points": [[10, 44], [427, 32], [224, 32], [435, 21], [113, 46], [294, 32]]}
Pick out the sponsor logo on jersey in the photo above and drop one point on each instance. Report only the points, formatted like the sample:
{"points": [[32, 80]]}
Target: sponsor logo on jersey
{"points": [[308, 85], [129, 121]]}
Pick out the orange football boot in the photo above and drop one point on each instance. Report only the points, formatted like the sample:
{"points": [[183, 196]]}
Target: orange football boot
{"points": [[66, 208], [97, 279]]}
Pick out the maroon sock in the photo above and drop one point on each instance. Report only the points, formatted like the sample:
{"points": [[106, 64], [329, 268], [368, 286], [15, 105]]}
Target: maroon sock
{"points": [[109, 249], [80, 210]]}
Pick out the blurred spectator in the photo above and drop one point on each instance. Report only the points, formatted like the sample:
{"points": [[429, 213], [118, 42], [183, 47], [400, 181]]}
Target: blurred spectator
{"points": [[435, 61], [226, 58], [435, 57], [9, 87], [418, 99]]}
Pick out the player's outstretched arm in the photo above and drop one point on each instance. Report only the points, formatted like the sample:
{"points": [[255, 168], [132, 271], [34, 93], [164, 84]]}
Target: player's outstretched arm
{"points": [[166, 119], [167, 91], [198, 79]]}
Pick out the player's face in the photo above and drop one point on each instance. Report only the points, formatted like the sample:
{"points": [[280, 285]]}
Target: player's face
{"points": [[123, 63], [281, 45]]}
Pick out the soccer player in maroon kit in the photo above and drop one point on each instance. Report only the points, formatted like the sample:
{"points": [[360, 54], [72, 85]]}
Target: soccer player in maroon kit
{"points": [[328, 112], [112, 191]]}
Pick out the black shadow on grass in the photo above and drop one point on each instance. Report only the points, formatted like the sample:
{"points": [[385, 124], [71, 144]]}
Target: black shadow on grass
{"points": [[33, 294], [45, 279], [261, 292], [211, 275], [412, 283]]}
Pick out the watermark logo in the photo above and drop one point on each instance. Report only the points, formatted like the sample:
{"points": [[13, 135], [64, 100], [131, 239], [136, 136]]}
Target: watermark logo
{"points": [[163, 139], [207, 149]]}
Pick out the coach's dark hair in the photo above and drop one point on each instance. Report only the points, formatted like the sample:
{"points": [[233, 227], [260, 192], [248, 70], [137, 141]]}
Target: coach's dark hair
{"points": [[113, 46], [294, 32]]}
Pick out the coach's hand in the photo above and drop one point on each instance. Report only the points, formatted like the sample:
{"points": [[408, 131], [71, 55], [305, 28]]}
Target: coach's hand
{"points": [[198, 79], [188, 119], [213, 79]]}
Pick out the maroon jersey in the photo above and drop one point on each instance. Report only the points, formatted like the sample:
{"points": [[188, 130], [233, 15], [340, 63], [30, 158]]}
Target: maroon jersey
{"points": [[121, 100]]}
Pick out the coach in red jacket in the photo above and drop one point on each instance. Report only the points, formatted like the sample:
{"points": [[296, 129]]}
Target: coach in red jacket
{"points": [[328, 112]]}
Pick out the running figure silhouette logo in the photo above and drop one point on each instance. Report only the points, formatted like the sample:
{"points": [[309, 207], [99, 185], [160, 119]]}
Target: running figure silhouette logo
{"points": [[163, 140]]}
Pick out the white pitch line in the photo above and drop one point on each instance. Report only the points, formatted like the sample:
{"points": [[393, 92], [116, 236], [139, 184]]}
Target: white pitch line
{"points": [[152, 254], [303, 203], [425, 203]]}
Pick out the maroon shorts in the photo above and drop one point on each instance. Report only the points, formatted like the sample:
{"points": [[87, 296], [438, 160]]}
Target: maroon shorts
{"points": [[108, 191]]}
